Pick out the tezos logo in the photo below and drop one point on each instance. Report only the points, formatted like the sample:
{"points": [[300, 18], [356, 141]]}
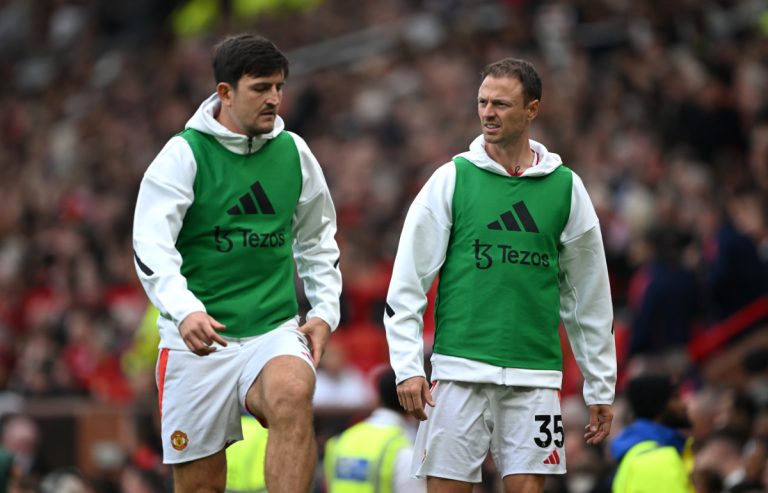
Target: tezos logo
{"points": [[227, 239], [487, 253]]}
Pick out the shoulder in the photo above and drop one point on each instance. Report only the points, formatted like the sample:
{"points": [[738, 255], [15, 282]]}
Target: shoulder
{"points": [[443, 174], [175, 158], [439, 187], [564, 170], [578, 183], [309, 163], [300, 143], [177, 147]]}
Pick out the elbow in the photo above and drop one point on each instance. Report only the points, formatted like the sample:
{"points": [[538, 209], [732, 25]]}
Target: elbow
{"points": [[141, 266]]}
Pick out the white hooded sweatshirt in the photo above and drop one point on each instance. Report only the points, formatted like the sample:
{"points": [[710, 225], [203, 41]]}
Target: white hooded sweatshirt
{"points": [[585, 299], [167, 192]]}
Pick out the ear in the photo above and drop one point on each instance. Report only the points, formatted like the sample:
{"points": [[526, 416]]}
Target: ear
{"points": [[533, 109], [225, 92]]}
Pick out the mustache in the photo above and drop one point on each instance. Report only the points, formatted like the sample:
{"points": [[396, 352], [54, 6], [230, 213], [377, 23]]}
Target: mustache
{"points": [[272, 110]]}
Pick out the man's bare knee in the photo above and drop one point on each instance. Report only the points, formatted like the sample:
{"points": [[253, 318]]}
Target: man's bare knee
{"points": [[288, 388], [290, 401]]}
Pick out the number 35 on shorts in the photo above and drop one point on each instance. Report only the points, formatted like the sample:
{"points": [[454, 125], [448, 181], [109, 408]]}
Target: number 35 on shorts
{"points": [[550, 428]]}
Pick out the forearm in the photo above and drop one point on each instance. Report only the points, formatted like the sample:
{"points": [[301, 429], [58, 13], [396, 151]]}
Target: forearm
{"points": [[587, 313]]}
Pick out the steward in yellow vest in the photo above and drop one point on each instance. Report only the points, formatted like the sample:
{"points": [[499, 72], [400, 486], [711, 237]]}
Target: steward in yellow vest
{"points": [[654, 456], [245, 459], [374, 456]]}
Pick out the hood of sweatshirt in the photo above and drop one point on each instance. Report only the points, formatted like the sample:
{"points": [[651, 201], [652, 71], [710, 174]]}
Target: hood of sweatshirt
{"points": [[547, 161], [204, 121], [643, 430]]}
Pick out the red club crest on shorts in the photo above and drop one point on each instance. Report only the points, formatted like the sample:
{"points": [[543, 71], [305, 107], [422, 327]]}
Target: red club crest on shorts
{"points": [[179, 440]]}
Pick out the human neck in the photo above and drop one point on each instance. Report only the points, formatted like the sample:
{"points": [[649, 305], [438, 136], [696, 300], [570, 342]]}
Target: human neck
{"points": [[515, 158]]}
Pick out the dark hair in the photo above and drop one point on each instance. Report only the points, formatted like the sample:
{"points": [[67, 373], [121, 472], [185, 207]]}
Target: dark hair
{"points": [[756, 360], [246, 54], [649, 394], [387, 387], [520, 70]]}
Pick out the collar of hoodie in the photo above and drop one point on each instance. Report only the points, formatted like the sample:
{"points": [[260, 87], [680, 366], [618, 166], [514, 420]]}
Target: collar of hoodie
{"points": [[204, 121], [547, 163]]}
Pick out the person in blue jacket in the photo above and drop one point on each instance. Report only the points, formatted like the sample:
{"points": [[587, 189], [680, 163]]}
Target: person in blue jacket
{"points": [[653, 452]]}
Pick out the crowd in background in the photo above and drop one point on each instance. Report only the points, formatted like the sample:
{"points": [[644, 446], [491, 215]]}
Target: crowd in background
{"points": [[660, 106]]}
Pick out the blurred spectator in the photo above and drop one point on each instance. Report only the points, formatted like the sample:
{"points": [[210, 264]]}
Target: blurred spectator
{"points": [[667, 303], [652, 452], [64, 480], [735, 275], [135, 480], [722, 453], [756, 452], [736, 414], [140, 357], [340, 385], [7, 469], [706, 481], [703, 408], [755, 366], [758, 157], [21, 437]]}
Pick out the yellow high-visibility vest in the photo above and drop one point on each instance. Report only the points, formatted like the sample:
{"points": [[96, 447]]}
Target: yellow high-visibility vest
{"points": [[649, 467], [246, 458], [362, 459]]}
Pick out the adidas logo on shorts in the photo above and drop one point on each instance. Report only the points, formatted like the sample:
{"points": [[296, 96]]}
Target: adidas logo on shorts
{"points": [[553, 459]]}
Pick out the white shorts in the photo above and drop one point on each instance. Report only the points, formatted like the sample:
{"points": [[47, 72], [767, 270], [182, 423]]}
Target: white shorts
{"points": [[521, 426], [202, 397]]}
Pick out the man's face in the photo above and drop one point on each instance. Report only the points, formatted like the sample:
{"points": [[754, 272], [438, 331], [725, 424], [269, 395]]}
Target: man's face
{"points": [[503, 113], [255, 101], [676, 413]]}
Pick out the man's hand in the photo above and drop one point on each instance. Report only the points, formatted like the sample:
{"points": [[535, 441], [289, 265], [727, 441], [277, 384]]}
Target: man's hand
{"points": [[413, 393], [599, 426], [198, 329], [317, 332]]}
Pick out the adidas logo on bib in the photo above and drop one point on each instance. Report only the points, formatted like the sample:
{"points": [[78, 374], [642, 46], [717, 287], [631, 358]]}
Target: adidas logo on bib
{"points": [[247, 205], [508, 222]]}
